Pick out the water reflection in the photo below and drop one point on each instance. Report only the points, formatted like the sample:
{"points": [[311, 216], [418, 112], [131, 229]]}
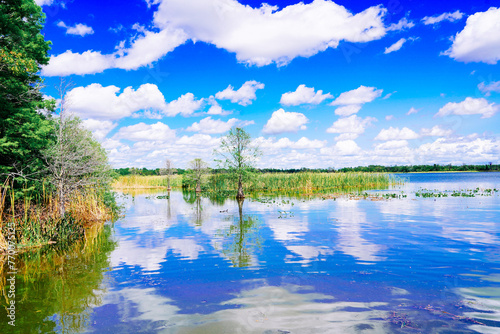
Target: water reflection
{"points": [[56, 292], [241, 239], [351, 222]]}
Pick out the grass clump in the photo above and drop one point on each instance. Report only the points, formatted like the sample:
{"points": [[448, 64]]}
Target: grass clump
{"points": [[145, 182]]}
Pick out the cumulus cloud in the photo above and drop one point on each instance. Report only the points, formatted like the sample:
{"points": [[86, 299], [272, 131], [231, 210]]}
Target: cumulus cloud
{"points": [[284, 143], [144, 50], [141, 131], [215, 108], [401, 25], [396, 134], [44, 2], [264, 35], [78, 29], [443, 17], [99, 128], [469, 149], [211, 126], [479, 41], [350, 127], [304, 95], [243, 96], [486, 89], [360, 95], [346, 147], [470, 106], [96, 101], [282, 121], [347, 110], [396, 46], [185, 105], [436, 131]]}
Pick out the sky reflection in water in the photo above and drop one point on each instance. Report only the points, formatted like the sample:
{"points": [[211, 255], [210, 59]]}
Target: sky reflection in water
{"points": [[189, 265]]}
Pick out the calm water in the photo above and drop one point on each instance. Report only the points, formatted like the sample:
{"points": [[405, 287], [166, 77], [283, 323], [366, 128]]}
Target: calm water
{"points": [[281, 265]]}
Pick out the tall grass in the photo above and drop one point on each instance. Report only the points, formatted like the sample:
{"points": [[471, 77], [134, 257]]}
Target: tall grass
{"points": [[304, 182], [37, 222], [152, 181]]}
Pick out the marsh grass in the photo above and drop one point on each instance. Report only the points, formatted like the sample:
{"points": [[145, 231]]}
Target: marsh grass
{"points": [[304, 182], [145, 182], [36, 219]]}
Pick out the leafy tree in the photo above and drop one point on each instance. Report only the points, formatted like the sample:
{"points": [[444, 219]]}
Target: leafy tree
{"points": [[24, 131], [237, 155], [197, 168], [75, 159]]}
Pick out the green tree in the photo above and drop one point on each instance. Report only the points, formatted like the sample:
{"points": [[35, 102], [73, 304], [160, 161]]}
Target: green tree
{"points": [[237, 154], [24, 131], [197, 168]]}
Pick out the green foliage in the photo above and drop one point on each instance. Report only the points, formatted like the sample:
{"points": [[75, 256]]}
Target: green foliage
{"points": [[24, 131], [238, 156]]}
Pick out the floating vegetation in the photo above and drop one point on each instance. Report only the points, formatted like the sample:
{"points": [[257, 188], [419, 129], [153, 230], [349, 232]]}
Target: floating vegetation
{"points": [[426, 193]]}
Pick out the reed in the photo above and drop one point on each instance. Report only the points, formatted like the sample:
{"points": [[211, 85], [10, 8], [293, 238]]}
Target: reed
{"points": [[37, 222], [144, 182], [305, 182]]}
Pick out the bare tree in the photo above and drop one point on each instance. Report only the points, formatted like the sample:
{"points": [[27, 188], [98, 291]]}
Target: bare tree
{"points": [[170, 170], [75, 159], [197, 168]]}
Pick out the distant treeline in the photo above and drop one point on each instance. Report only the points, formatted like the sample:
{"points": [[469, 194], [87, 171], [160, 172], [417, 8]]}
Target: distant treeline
{"points": [[370, 168]]}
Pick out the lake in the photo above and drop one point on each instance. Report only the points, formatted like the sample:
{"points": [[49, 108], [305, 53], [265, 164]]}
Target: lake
{"points": [[182, 264]]}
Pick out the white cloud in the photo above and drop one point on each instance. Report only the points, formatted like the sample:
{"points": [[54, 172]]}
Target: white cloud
{"points": [[401, 25], [347, 147], [215, 108], [443, 17], [392, 145], [78, 29], [486, 89], [44, 2], [96, 101], [353, 126], [243, 96], [149, 48], [99, 128], [141, 131], [396, 46], [264, 35], [282, 121], [144, 50], [469, 149], [412, 111], [470, 106], [436, 131], [304, 95], [347, 110], [479, 41], [389, 117], [283, 143], [396, 134], [185, 105], [68, 63], [211, 126], [360, 95]]}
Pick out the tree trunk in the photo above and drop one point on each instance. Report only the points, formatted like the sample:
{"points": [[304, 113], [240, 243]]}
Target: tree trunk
{"points": [[168, 183], [240, 188], [198, 187], [62, 209]]}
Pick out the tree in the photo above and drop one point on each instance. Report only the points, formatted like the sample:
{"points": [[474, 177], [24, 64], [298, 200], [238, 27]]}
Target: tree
{"points": [[24, 132], [237, 155], [75, 159], [169, 170], [197, 168]]}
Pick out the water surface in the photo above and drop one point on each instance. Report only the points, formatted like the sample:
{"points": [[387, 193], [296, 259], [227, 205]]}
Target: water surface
{"points": [[184, 264]]}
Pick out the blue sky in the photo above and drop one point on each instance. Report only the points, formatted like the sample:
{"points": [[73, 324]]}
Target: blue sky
{"points": [[316, 84]]}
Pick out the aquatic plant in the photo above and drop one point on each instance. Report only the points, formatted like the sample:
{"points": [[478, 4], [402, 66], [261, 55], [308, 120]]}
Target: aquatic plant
{"points": [[151, 181]]}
